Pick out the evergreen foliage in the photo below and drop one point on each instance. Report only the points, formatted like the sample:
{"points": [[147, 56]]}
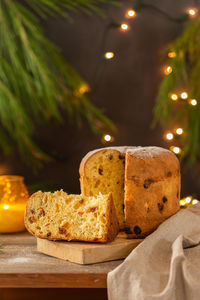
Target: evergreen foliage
{"points": [[184, 77], [36, 83]]}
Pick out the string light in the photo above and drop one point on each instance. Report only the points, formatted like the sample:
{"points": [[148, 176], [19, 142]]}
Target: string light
{"points": [[172, 54], [130, 13], [175, 149], [193, 102], [6, 206], [195, 201], [182, 202], [168, 70], [179, 131], [174, 97], [192, 12], [108, 138], [188, 199], [184, 95], [109, 55], [124, 27], [84, 88], [169, 136]]}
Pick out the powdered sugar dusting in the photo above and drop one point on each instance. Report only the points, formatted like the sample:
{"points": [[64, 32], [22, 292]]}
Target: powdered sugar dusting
{"points": [[148, 151], [18, 260]]}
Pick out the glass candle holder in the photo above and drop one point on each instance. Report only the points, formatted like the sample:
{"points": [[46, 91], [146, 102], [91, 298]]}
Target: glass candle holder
{"points": [[13, 199]]}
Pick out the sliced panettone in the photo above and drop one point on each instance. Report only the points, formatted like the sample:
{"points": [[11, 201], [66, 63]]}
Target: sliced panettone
{"points": [[144, 181], [103, 171], [59, 216]]}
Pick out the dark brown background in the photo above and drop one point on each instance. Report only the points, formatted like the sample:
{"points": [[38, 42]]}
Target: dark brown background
{"points": [[126, 91]]}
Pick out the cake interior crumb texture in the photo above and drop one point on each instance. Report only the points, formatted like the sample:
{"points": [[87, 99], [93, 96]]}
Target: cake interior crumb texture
{"points": [[104, 172], [59, 216]]}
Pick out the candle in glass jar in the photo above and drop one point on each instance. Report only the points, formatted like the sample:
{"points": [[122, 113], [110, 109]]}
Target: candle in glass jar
{"points": [[13, 198], [12, 217]]}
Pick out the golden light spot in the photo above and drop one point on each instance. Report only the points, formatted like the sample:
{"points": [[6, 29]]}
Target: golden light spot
{"points": [[193, 102], [130, 13], [124, 27], [171, 54], [168, 70], [175, 149], [109, 55], [179, 131], [184, 95], [174, 97], [169, 136]]}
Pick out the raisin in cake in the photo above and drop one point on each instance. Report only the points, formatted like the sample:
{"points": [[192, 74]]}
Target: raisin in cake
{"points": [[59, 216], [144, 181]]}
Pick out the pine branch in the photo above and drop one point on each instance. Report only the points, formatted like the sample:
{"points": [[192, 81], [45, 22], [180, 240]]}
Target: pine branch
{"points": [[36, 82], [185, 76]]}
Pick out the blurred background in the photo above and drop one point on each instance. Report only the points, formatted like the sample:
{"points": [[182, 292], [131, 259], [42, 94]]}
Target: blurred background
{"points": [[124, 87], [137, 63]]}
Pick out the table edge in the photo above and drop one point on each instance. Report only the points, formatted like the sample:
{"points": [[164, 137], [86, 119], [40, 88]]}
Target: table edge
{"points": [[53, 280]]}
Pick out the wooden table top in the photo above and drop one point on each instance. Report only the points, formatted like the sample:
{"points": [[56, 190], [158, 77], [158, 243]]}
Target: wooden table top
{"points": [[22, 266]]}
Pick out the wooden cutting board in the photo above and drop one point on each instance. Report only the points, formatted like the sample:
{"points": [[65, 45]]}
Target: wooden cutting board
{"points": [[88, 253]]}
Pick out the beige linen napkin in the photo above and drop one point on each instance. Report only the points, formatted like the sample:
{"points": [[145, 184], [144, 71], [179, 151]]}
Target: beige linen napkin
{"points": [[166, 265]]}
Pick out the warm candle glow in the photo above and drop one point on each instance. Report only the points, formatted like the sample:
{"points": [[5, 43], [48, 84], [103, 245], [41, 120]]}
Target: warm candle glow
{"points": [[13, 198], [195, 201], [6, 206]]}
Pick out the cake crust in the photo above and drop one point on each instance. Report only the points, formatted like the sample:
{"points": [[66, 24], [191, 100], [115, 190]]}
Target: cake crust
{"points": [[152, 186], [152, 189]]}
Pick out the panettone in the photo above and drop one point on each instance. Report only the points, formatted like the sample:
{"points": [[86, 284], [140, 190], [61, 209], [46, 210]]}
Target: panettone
{"points": [[59, 216], [144, 181]]}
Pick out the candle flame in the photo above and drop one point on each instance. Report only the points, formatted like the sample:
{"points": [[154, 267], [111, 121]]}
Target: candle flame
{"points": [[6, 206]]}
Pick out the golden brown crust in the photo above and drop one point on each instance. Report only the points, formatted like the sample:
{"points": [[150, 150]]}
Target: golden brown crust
{"points": [[152, 187], [112, 223], [152, 190]]}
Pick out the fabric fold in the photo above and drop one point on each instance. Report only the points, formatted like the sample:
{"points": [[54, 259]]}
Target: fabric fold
{"points": [[165, 265]]}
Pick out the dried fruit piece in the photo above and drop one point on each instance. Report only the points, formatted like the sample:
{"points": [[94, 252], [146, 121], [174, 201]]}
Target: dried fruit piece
{"points": [[147, 183], [32, 219], [164, 199], [100, 171], [128, 230], [160, 206], [48, 234], [92, 209], [62, 230], [137, 230]]}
